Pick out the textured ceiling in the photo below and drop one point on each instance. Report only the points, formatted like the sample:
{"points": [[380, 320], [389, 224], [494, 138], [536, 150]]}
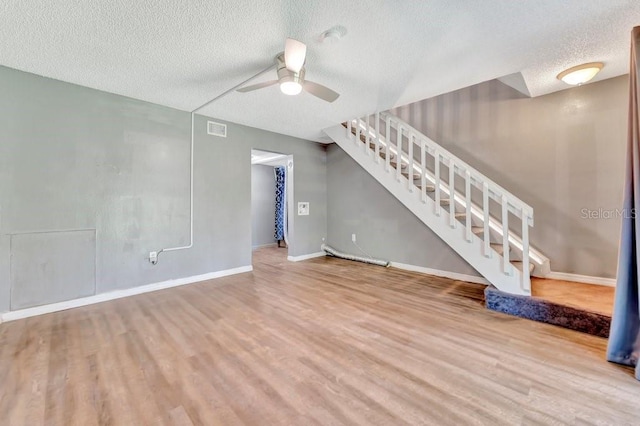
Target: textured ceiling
{"points": [[182, 53]]}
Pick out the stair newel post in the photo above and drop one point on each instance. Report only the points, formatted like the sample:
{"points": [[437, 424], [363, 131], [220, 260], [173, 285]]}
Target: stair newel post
{"points": [[436, 156], [387, 135], [467, 195], [485, 219], [377, 127], [505, 236], [423, 169], [410, 140], [399, 153], [452, 193], [357, 139], [526, 278], [349, 135], [367, 137]]}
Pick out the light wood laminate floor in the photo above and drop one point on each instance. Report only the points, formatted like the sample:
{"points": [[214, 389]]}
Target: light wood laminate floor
{"points": [[324, 341]]}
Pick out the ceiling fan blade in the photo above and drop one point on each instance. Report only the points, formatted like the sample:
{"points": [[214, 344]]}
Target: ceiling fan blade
{"points": [[320, 91], [295, 53], [257, 86]]}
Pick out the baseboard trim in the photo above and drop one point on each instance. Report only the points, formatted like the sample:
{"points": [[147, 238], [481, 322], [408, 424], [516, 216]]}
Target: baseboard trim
{"points": [[305, 256], [585, 279], [438, 273], [117, 294]]}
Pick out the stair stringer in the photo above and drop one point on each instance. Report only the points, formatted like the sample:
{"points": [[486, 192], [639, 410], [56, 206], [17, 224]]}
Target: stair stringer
{"points": [[489, 266]]}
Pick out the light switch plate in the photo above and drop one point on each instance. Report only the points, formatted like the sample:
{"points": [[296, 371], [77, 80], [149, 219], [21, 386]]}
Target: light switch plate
{"points": [[303, 208]]}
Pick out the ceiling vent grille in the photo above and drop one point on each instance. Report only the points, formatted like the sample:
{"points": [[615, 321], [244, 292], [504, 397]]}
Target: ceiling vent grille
{"points": [[216, 129]]}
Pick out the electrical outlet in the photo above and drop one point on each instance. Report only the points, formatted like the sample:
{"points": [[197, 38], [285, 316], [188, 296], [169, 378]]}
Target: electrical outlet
{"points": [[153, 257], [353, 238]]}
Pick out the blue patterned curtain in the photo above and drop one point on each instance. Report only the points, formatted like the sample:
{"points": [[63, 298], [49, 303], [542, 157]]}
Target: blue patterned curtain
{"points": [[280, 202], [624, 337]]}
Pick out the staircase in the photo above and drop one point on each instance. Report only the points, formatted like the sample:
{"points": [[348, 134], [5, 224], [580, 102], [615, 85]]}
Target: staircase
{"points": [[480, 220]]}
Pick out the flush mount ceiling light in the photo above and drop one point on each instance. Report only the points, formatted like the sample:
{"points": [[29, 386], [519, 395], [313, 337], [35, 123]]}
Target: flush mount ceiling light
{"points": [[580, 74]]}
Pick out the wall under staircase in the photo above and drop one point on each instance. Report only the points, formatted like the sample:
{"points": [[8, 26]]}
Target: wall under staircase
{"points": [[383, 144]]}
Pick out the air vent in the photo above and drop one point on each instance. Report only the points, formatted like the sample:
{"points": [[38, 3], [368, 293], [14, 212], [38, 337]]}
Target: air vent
{"points": [[216, 129]]}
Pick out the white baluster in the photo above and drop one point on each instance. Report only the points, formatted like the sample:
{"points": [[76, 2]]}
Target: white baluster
{"points": [[485, 219], [526, 279], [349, 135], [452, 193], [387, 156], [467, 193], [410, 138], [357, 139], [399, 153], [377, 153], [505, 236], [436, 155], [423, 167], [367, 137]]}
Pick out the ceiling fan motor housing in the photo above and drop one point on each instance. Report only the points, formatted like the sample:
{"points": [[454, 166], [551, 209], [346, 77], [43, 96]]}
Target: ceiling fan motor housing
{"points": [[285, 74]]}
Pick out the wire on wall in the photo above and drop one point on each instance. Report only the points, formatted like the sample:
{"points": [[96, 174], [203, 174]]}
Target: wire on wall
{"points": [[193, 113]]}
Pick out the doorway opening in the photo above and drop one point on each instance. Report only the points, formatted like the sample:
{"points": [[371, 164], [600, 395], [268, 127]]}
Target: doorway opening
{"points": [[271, 202]]}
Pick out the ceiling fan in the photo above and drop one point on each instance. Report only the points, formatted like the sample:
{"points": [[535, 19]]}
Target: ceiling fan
{"points": [[290, 65]]}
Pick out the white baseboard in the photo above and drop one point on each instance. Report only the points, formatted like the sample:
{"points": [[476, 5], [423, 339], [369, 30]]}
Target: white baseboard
{"points": [[586, 279], [305, 256], [117, 294], [438, 273]]}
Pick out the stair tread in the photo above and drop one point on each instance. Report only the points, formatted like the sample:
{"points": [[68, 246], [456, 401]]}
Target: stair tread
{"points": [[497, 247], [428, 188], [415, 175], [518, 265], [477, 229]]}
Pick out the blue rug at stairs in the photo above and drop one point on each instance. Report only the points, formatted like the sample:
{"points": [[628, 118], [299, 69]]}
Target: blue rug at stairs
{"points": [[541, 310]]}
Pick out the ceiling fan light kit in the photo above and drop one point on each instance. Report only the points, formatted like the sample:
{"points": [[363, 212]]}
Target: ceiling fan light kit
{"points": [[580, 74], [290, 80], [290, 88], [291, 72]]}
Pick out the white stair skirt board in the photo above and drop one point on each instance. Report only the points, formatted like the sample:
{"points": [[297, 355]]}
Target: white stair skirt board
{"points": [[438, 273], [305, 256], [585, 279], [117, 294]]}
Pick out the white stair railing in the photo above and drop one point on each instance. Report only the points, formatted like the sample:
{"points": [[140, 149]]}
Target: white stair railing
{"points": [[428, 166]]}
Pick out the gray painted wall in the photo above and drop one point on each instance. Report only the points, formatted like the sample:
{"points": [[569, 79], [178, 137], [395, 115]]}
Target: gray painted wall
{"points": [[561, 153], [384, 228], [76, 158], [263, 205]]}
